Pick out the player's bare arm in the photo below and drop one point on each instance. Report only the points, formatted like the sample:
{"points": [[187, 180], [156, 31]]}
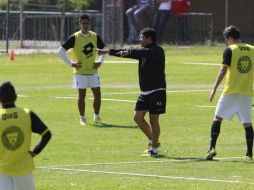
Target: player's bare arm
{"points": [[220, 77]]}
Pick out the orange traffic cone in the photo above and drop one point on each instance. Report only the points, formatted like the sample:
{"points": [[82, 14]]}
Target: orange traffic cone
{"points": [[11, 56]]}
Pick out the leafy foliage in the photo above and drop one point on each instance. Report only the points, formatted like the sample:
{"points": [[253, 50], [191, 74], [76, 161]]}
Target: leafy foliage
{"points": [[50, 5]]}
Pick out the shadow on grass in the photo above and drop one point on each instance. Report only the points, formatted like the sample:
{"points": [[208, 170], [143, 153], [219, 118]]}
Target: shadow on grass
{"points": [[108, 125], [190, 159]]}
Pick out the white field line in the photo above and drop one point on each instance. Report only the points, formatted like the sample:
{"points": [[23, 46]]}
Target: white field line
{"points": [[22, 96], [186, 63], [197, 63], [103, 99], [141, 162], [146, 175], [66, 97], [115, 100], [125, 93], [179, 91], [168, 91], [204, 106]]}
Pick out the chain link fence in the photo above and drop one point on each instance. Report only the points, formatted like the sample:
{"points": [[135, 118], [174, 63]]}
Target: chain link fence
{"points": [[42, 29], [204, 24]]}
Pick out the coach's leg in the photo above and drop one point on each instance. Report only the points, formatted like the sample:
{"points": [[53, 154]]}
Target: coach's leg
{"points": [[249, 138], [81, 101], [97, 100], [154, 121], [139, 118]]}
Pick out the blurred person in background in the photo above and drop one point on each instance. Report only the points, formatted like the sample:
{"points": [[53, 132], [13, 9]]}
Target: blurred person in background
{"points": [[141, 15], [162, 17], [129, 30], [179, 7]]}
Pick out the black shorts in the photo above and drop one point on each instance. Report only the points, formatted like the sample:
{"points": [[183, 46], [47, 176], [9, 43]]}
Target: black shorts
{"points": [[155, 102]]}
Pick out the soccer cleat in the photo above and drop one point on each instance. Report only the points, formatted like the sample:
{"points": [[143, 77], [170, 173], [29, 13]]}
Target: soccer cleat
{"points": [[98, 122], [83, 122], [150, 153], [211, 154], [249, 157], [154, 154], [150, 146]]}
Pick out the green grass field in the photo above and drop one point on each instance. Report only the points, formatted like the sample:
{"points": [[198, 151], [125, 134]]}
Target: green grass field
{"points": [[89, 158]]}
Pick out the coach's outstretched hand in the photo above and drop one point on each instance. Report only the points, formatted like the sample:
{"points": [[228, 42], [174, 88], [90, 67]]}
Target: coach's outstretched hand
{"points": [[102, 51], [123, 53]]}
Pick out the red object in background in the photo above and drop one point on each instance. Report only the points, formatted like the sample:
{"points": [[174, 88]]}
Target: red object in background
{"points": [[11, 56], [180, 6]]}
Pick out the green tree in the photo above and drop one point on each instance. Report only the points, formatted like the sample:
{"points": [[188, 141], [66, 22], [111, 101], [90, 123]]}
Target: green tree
{"points": [[46, 5]]}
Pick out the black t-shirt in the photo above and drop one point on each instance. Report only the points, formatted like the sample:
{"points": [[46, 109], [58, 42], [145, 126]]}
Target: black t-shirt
{"points": [[227, 56], [151, 66]]}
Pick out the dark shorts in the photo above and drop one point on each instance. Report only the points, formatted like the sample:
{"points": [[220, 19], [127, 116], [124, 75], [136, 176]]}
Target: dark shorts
{"points": [[155, 102]]}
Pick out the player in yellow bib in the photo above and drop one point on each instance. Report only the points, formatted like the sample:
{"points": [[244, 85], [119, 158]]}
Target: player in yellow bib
{"points": [[84, 44], [16, 128], [236, 98]]}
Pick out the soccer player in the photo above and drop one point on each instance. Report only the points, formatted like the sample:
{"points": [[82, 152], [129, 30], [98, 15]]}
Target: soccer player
{"points": [[16, 128], [237, 95], [152, 83], [84, 44]]}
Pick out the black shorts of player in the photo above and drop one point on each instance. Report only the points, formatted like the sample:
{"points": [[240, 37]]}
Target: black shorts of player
{"points": [[155, 102]]}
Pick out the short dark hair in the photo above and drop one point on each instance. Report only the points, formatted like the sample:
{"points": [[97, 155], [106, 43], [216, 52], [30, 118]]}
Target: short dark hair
{"points": [[84, 17], [7, 93], [232, 31], [149, 32]]}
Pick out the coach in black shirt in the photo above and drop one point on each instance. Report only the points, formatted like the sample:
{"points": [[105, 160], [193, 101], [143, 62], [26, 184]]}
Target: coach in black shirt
{"points": [[152, 85]]}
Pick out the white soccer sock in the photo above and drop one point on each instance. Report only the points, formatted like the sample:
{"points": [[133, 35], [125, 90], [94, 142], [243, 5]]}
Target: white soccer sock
{"points": [[96, 116], [82, 117]]}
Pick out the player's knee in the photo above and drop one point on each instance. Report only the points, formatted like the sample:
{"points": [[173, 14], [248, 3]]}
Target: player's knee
{"points": [[137, 118]]}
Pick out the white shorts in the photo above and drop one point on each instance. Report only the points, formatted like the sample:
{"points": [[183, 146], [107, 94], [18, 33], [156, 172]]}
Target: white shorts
{"points": [[86, 81], [8, 182], [231, 104]]}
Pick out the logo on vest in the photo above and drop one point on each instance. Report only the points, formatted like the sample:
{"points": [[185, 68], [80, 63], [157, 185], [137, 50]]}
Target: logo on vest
{"points": [[12, 138], [88, 50], [244, 64]]}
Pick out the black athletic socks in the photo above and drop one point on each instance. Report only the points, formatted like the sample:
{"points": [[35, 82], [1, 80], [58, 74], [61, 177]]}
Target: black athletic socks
{"points": [[215, 131], [249, 140]]}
